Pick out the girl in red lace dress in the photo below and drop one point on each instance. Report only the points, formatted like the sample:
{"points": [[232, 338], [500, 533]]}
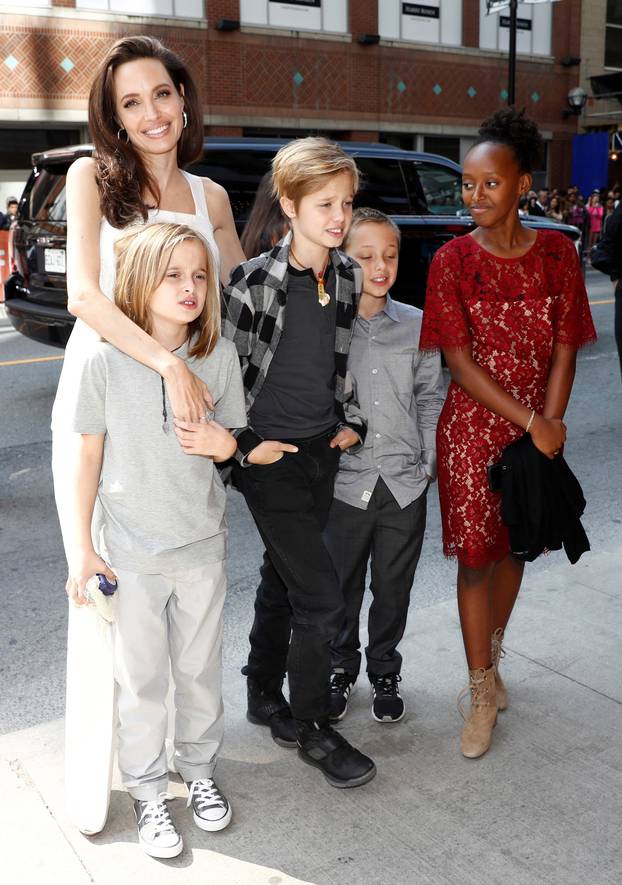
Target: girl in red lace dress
{"points": [[508, 307]]}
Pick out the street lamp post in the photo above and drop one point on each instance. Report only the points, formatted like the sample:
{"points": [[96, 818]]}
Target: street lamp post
{"points": [[493, 6]]}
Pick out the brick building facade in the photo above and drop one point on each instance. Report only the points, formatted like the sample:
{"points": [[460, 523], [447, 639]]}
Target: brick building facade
{"points": [[417, 75]]}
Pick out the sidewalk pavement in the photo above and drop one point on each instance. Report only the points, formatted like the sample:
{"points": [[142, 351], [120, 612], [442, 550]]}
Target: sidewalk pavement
{"points": [[543, 806]]}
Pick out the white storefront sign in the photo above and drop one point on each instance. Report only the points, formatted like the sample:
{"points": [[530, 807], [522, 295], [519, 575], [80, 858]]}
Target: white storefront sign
{"points": [[431, 21], [297, 15], [164, 8], [533, 31]]}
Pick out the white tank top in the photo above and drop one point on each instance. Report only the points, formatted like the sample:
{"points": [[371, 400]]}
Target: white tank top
{"points": [[82, 336]]}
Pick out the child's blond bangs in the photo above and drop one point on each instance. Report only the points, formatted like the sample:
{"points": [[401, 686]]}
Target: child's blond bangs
{"points": [[305, 165], [143, 255]]}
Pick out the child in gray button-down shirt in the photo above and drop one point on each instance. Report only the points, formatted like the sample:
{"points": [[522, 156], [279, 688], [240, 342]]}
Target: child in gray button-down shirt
{"points": [[379, 509], [150, 487]]}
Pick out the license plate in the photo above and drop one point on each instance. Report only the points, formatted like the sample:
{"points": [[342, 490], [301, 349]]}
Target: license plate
{"points": [[54, 260]]}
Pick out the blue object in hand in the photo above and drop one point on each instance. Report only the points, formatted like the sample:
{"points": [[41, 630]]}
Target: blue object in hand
{"points": [[106, 587]]}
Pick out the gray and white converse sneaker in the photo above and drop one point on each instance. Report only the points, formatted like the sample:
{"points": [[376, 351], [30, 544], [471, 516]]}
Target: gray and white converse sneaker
{"points": [[157, 835], [211, 811]]}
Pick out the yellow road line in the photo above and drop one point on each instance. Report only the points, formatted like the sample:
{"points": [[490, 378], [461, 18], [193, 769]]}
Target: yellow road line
{"points": [[34, 359], [50, 359]]}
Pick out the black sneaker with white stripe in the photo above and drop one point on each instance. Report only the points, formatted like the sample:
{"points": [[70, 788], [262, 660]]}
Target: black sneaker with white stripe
{"points": [[157, 834], [387, 704], [340, 688], [210, 810]]}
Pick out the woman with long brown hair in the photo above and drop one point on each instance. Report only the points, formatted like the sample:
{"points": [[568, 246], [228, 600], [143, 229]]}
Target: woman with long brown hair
{"points": [[146, 123], [145, 120]]}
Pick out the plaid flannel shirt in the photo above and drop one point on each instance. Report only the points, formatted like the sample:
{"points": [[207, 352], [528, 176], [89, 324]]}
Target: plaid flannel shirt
{"points": [[253, 318]]}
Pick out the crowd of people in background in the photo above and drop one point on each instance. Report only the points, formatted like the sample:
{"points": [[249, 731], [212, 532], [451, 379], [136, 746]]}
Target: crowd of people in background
{"points": [[590, 214]]}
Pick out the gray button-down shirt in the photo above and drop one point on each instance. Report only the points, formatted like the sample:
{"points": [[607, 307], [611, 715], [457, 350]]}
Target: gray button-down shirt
{"points": [[400, 391]]}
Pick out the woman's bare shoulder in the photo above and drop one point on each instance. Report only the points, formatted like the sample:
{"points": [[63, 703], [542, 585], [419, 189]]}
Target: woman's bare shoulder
{"points": [[84, 169], [215, 193], [218, 204], [83, 196]]}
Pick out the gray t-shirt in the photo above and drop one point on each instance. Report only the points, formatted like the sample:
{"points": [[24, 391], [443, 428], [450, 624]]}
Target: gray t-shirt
{"points": [[157, 507], [297, 399]]}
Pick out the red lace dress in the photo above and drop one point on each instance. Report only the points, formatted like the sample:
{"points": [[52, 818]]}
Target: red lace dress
{"points": [[511, 312]]}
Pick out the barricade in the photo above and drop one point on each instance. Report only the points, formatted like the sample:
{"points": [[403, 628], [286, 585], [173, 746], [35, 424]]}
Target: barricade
{"points": [[5, 259]]}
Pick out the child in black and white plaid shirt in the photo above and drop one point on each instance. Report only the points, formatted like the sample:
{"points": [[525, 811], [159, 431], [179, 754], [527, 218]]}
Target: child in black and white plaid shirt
{"points": [[290, 313]]}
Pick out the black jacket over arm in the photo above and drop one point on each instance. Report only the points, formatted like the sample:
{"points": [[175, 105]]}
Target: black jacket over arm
{"points": [[541, 503]]}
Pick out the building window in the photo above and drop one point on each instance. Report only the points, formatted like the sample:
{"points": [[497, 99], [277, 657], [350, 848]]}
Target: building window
{"points": [[289, 134], [163, 8], [404, 140], [446, 146], [613, 35], [297, 15], [433, 21], [533, 35], [17, 145], [539, 173]]}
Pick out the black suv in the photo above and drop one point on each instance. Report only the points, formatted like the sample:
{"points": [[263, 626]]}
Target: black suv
{"points": [[422, 192]]}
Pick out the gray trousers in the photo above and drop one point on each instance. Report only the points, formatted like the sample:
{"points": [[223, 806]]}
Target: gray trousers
{"points": [[170, 623], [392, 538]]}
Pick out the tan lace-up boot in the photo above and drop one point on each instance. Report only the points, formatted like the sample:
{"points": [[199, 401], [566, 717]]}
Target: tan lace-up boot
{"points": [[476, 735], [498, 653]]}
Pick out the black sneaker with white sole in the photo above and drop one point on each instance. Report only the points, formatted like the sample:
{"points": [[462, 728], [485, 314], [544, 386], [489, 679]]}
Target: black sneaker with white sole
{"points": [[157, 835], [210, 810], [340, 688], [324, 748], [387, 703]]}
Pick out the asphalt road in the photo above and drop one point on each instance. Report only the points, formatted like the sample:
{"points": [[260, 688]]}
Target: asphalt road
{"points": [[32, 567]]}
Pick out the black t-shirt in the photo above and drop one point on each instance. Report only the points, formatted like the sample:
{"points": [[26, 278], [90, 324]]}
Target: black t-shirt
{"points": [[297, 399]]}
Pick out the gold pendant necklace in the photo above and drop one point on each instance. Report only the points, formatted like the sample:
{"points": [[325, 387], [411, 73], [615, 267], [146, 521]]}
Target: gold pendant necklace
{"points": [[322, 295]]}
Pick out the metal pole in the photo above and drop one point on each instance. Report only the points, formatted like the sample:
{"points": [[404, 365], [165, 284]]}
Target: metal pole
{"points": [[512, 55]]}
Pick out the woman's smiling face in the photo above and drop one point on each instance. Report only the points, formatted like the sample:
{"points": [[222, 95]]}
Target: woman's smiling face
{"points": [[148, 106], [492, 183]]}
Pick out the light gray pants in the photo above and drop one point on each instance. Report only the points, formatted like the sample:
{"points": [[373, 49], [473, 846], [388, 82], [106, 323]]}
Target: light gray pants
{"points": [[173, 617]]}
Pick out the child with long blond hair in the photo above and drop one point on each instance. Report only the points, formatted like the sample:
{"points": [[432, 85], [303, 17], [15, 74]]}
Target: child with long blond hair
{"points": [[145, 488]]}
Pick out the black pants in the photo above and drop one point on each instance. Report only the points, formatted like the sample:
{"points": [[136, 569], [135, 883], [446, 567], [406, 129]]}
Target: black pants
{"points": [[299, 591], [618, 320], [393, 538]]}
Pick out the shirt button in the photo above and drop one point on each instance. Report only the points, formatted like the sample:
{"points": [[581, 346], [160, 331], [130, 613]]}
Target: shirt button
{"points": [[378, 466], [376, 402], [373, 337], [377, 436], [374, 371]]}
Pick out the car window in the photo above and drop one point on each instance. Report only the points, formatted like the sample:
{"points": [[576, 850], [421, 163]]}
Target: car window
{"points": [[382, 186], [48, 196], [442, 188], [418, 203], [239, 172]]}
